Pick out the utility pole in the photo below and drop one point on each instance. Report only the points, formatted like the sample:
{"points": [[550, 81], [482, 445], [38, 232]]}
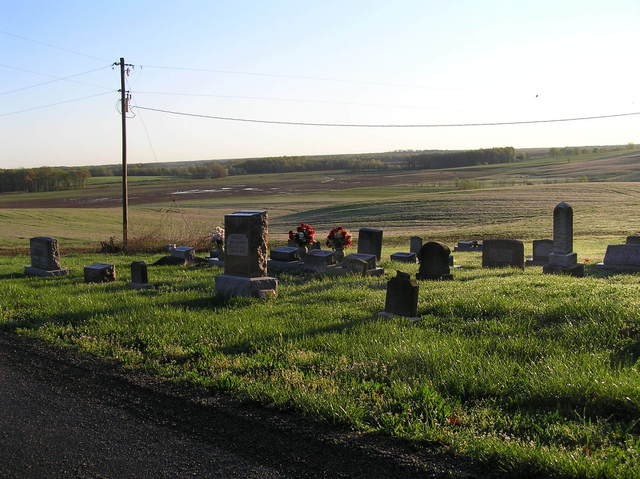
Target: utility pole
{"points": [[124, 107]]}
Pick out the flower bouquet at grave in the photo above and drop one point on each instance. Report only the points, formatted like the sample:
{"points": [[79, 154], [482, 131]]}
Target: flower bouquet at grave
{"points": [[303, 236], [217, 238], [339, 238]]}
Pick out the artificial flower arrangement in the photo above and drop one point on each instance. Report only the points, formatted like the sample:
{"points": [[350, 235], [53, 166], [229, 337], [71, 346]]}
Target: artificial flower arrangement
{"points": [[217, 238], [304, 235], [339, 238]]}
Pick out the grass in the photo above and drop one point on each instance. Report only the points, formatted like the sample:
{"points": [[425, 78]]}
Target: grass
{"points": [[532, 374]]}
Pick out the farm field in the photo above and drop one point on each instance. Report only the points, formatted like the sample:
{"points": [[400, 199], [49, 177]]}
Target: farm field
{"points": [[527, 373]]}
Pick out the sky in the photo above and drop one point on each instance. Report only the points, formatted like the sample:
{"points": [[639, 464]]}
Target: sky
{"points": [[349, 61]]}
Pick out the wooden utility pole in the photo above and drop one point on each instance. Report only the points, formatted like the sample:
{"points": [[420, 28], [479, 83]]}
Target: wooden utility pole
{"points": [[124, 107]]}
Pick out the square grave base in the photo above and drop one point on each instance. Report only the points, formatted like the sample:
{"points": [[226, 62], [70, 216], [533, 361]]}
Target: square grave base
{"points": [[33, 271], [576, 270], [263, 287], [385, 315]]}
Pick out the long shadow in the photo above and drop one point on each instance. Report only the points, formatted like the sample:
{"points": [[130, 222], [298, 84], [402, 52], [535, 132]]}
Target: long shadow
{"points": [[72, 318]]}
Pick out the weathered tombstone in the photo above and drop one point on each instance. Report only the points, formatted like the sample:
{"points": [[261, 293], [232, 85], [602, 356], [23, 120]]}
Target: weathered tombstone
{"points": [[355, 265], [415, 243], [633, 239], [404, 257], [370, 242], [502, 253], [139, 276], [99, 273], [183, 252], [624, 258], [245, 261], [434, 261], [402, 297], [468, 246], [318, 258], [284, 253], [369, 258], [45, 258], [541, 251], [562, 260]]}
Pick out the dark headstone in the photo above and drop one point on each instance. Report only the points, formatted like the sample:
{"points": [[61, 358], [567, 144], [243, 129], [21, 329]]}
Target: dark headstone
{"points": [[622, 258], [402, 296], [246, 244], [319, 257], [139, 272], [183, 252], [355, 265], [562, 259], [99, 273], [369, 258], [468, 246], [45, 258], [502, 253], [284, 253], [415, 243], [434, 261], [370, 242], [404, 257], [633, 239], [541, 251]]}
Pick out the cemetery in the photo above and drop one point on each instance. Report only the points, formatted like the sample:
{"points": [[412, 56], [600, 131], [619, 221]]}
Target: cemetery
{"points": [[390, 337]]}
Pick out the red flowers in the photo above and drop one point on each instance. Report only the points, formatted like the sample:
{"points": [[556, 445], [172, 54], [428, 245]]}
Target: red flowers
{"points": [[303, 235], [338, 238]]}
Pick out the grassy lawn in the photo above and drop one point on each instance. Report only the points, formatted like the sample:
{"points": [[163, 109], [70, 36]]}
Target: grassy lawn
{"points": [[528, 372]]}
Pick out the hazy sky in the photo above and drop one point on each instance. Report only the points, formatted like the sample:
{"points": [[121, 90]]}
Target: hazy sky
{"points": [[384, 61]]}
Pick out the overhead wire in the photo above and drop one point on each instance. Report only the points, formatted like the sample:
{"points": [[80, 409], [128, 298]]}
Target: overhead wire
{"points": [[387, 125], [55, 78], [51, 45], [57, 103]]}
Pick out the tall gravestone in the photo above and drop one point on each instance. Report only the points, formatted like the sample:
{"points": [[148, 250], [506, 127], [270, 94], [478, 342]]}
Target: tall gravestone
{"points": [[415, 243], [45, 258], [502, 253], [402, 297], [562, 260], [245, 262], [370, 242], [434, 261]]}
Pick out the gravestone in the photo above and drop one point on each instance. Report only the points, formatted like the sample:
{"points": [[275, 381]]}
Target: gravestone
{"points": [[45, 258], [404, 257], [502, 253], [633, 239], [183, 252], [99, 273], [284, 253], [245, 261], [468, 246], [370, 242], [562, 260], [624, 258], [402, 297], [369, 258], [434, 261], [415, 243], [355, 265], [318, 258], [139, 276], [541, 250]]}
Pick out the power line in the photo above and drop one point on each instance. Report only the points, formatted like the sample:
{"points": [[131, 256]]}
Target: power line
{"points": [[50, 45], [57, 103], [56, 79], [278, 75], [381, 125]]}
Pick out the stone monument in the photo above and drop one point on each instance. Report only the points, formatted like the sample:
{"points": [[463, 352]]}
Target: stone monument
{"points": [[139, 276], [502, 253], [99, 273], [434, 261], [402, 297], [622, 258], [562, 260], [404, 257], [415, 243], [541, 250], [245, 261], [45, 258], [370, 242]]}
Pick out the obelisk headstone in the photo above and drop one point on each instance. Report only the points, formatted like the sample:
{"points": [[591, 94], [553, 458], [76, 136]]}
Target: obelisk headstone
{"points": [[562, 260]]}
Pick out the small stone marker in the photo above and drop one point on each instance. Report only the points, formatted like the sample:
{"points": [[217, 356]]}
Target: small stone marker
{"points": [[139, 276], [245, 261], [633, 239], [183, 252], [624, 258], [502, 253], [370, 242], [468, 246], [434, 261], [355, 265], [284, 253], [369, 258], [562, 260], [99, 273], [415, 243], [45, 258], [402, 297], [404, 257], [541, 251], [318, 258]]}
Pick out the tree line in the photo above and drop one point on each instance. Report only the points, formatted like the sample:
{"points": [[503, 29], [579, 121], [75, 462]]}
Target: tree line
{"points": [[210, 169], [456, 159], [286, 164], [43, 179]]}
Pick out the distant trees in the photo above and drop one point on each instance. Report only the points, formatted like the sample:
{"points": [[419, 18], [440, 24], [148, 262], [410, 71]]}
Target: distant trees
{"points": [[212, 169], [43, 179], [457, 159], [285, 164]]}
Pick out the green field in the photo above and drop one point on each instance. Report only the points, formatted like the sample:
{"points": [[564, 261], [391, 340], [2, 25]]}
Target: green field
{"points": [[527, 373]]}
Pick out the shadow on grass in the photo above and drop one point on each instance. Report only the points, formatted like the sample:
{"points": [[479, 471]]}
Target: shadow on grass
{"points": [[22, 320]]}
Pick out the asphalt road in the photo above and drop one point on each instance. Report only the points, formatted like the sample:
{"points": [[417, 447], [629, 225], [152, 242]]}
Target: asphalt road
{"points": [[67, 415]]}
